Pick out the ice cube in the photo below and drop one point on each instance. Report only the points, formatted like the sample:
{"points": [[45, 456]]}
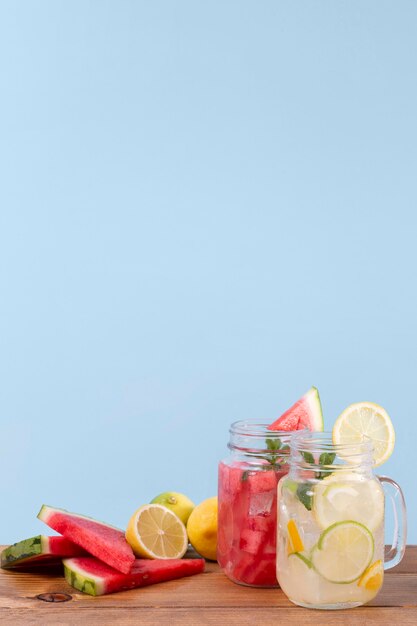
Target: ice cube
{"points": [[261, 503]]}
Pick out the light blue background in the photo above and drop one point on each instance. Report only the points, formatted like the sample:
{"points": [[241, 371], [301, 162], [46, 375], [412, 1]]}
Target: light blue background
{"points": [[206, 207]]}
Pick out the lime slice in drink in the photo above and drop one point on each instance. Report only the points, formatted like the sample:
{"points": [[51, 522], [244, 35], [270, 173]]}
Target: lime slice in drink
{"points": [[366, 418], [343, 552], [301, 558], [359, 500]]}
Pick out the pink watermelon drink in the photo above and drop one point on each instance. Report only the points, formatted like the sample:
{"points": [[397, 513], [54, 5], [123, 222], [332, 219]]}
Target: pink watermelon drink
{"points": [[247, 518], [247, 523]]}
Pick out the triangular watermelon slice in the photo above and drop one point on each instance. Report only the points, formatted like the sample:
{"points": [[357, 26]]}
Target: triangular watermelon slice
{"points": [[37, 551], [101, 540], [305, 413], [96, 578]]}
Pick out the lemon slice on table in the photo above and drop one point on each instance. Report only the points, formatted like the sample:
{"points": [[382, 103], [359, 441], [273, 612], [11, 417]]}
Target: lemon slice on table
{"points": [[155, 532], [343, 552], [373, 577], [371, 420], [358, 500]]}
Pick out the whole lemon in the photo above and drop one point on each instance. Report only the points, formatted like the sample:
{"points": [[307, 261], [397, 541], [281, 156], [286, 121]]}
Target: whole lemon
{"points": [[202, 528], [177, 502]]}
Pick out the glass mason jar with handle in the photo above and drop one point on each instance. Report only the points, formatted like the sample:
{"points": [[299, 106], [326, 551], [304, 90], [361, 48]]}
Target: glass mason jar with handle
{"points": [[330, 542], [247, 517]]}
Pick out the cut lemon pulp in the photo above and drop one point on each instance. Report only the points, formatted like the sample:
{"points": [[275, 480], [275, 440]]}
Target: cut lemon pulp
{"points": [[344, 551], [373, 577], [359, 500], [371, 420], [155, 532], [295, 543]]}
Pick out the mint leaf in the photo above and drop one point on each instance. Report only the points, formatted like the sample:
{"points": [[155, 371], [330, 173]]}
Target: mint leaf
{"points": [[308, 457], [304, 494], [327, 458], [273, 444]]}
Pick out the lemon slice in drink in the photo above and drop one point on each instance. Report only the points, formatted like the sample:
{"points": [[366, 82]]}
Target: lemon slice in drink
{"points": [[295, 543], [155, 532], [371, 420], [373, 577], [343, 552], [358, 500]]}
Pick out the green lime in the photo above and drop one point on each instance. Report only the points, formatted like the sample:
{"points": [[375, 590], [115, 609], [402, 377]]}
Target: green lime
{"points": [[176, 502], [343, 552]]}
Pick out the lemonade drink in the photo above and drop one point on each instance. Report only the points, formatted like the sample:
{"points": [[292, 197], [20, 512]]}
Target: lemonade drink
{"points": [[330, 541], [247, 516]]}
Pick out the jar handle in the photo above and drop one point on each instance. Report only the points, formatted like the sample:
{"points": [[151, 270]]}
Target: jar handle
{"points": [[395, 552]]}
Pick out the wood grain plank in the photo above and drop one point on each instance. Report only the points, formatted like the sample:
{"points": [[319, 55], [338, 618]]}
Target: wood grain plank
{"points": [[207, 598], [409, 563], [212, 589], [364, 616]]}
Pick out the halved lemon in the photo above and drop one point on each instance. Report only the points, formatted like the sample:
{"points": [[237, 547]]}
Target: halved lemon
{"points": [[373, 577], [359, 500], [343, 552], [155, 532], [371, 420]]}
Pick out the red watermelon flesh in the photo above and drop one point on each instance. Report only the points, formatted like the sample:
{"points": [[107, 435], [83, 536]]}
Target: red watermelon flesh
{"points": [[260, 482], [103, 541], [94, 577], [305, 413], [230, 477], [251, 541], [39, 550]]}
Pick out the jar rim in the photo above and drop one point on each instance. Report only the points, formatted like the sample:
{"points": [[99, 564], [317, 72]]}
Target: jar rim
{"points": [[256, 428], [317, 448], [323, 440]]}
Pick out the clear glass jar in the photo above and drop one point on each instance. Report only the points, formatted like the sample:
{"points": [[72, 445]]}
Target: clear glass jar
{"points": [[330, 540], [246, 541]]}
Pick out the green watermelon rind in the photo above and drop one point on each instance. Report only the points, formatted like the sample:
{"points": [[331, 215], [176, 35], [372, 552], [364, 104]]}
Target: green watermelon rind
{"points": [[21, 551], [92, 576], [315, 409], [35, 551], [81, 580], [47, 510]]}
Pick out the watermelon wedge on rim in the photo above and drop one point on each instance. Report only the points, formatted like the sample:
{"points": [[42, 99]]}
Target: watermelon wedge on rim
{"points": [[305, 413], [103, 541], [91, 576]]}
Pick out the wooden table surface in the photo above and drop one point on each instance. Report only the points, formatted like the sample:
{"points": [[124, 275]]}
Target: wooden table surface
{"points": [[208, 599]]}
